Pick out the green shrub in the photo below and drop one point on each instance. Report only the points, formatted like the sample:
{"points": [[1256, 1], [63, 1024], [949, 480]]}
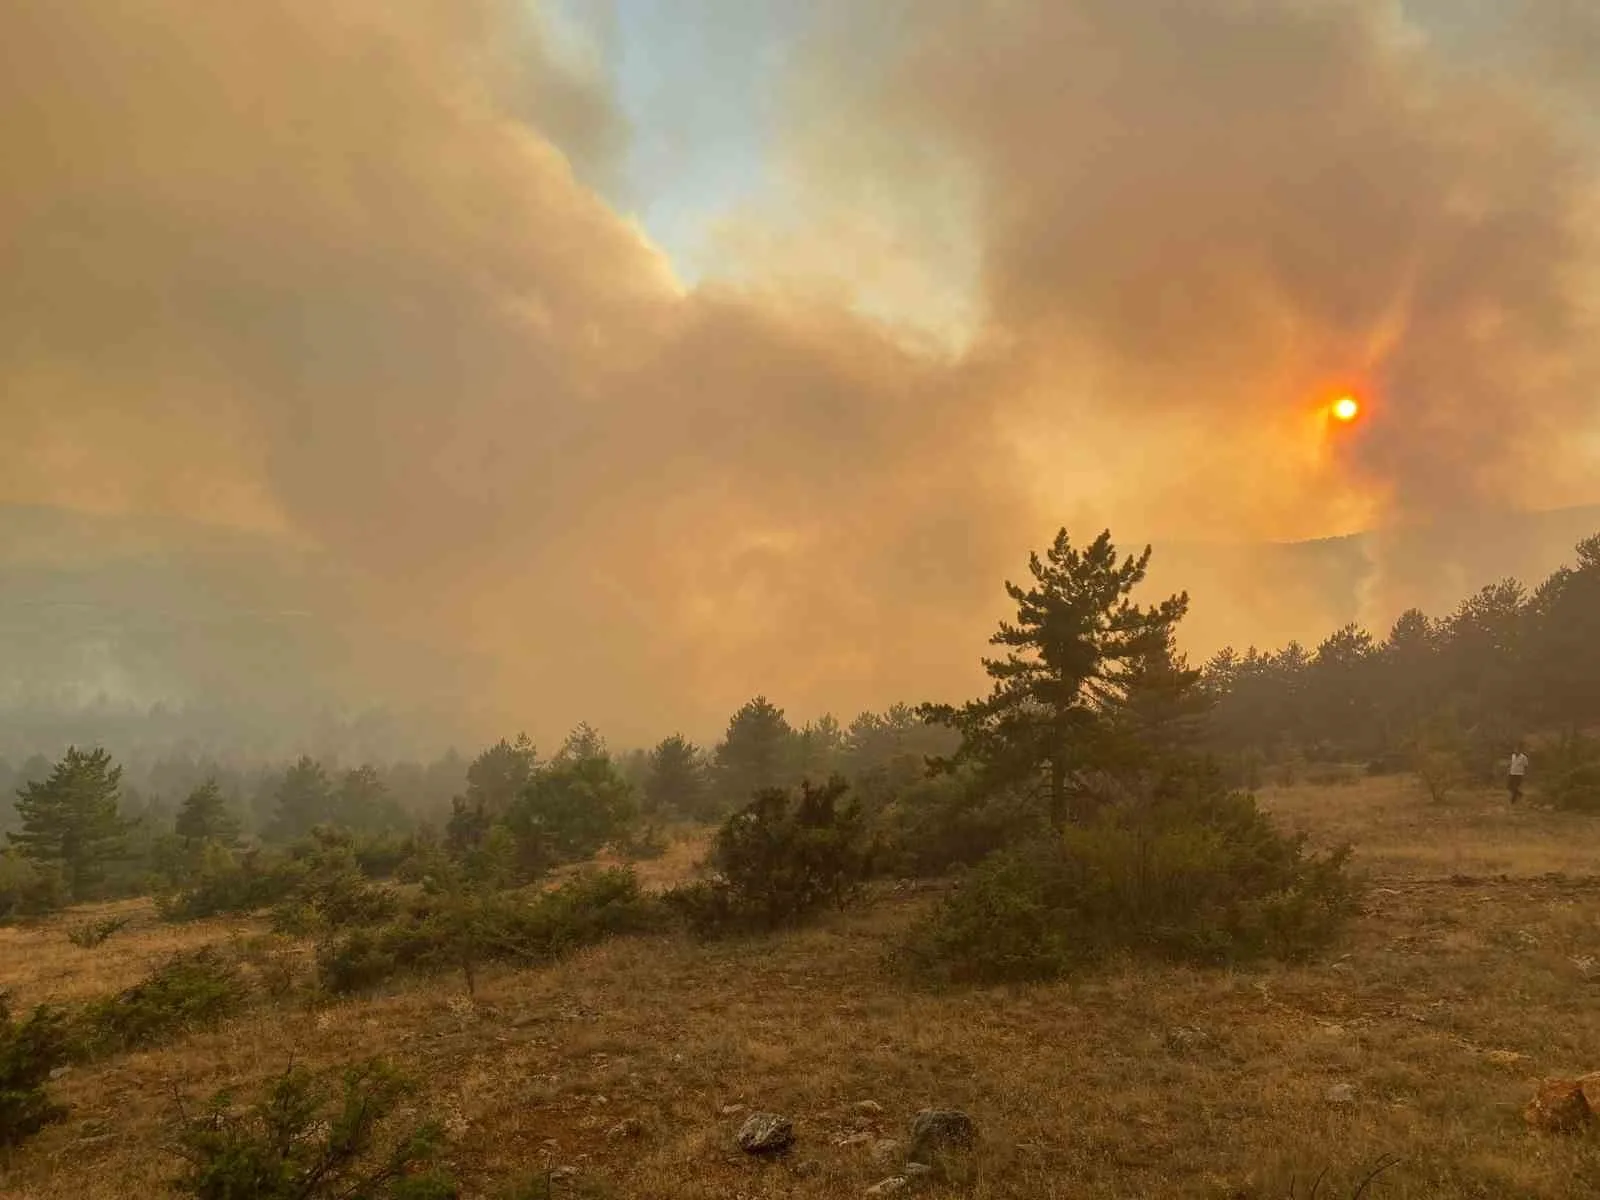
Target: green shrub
{"points": [[1440, 771], [28, 888], [383, 857], [226, 882], [568, 810], [305, 1141], [334, 900], [269, 963], [459, 927], [29, 1051], [1192, 873], [95, 933], [1572, 774], [494, 861], [191, 990], [949, 821], [778, 860]]}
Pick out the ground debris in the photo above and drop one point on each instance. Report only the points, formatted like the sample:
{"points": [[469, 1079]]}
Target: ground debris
{"points": [[766, 1133]]}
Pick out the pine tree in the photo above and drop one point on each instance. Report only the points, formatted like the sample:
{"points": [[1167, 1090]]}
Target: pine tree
{"points": [[204, 817], [756, 753], [584, 742], [1165, 709], [72, 820], [1563, 651], [304, 801], [819, 747], [1070, 655], [676, 782], [494, 781], [570, 809], [364, 805]]}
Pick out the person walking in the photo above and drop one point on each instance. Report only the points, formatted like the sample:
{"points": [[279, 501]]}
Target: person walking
{"points": [[1519, 769]]}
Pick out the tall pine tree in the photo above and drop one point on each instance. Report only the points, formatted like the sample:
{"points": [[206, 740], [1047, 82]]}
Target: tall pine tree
{"points": [[1077, 642], [757, 753], [71, 819]]}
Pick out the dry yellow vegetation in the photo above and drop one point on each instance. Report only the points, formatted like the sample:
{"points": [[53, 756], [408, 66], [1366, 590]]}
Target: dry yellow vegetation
{"points": [[1473, 972]]}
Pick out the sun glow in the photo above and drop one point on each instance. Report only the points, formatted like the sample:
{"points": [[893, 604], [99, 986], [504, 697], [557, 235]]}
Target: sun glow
{"points": [[1346, 408]]}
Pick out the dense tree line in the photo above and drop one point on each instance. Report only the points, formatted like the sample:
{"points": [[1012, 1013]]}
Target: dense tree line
{"points": [[1506, 666], [79, 828]]}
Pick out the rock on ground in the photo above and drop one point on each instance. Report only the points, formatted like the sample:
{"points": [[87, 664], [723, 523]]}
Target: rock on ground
{"points": [[1591, 1090], [626, 1129], [889, 1186], [766, 1133], [1340, 1093], [940, 1129], [1560, 1106]]}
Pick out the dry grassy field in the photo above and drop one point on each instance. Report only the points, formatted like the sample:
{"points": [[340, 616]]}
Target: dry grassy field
{"points": [[1474, 971]]}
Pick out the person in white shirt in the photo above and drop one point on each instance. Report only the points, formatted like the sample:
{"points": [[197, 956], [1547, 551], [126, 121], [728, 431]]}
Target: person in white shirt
{"points": [[1519, 769]]}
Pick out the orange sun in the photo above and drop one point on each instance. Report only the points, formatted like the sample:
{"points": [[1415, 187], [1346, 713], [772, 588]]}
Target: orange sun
{"points": [[1346, 408]]}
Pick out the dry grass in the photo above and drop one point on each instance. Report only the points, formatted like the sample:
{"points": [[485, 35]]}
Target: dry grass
{"points": [[1398, 830], [1445, 1003], [685, 849], [38, 963]]}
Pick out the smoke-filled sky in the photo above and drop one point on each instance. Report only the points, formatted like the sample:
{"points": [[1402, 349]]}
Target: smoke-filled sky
{"points": [[618, 359]]}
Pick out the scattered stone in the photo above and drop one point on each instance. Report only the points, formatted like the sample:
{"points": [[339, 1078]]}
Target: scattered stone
{"points": [[940, 1129], [1528, 939], [913, 1169], [808, 1168], [1504, 1058], [1591, 1089], [852, 1140], [564, 1173], [1340, 1093], [1586, 965], [889, 1186], [732, 1110], [1559, 1106], [1186, 1037], [59, 1072], [626, 1129], [766, 1133], [884, 1151], [870, 1108]]}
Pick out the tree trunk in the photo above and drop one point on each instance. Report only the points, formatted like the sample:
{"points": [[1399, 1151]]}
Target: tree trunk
{"points": [[1058, 789]]}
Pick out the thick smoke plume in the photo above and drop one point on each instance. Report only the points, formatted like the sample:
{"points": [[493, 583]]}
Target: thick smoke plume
{"points": [[336, 275]]}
